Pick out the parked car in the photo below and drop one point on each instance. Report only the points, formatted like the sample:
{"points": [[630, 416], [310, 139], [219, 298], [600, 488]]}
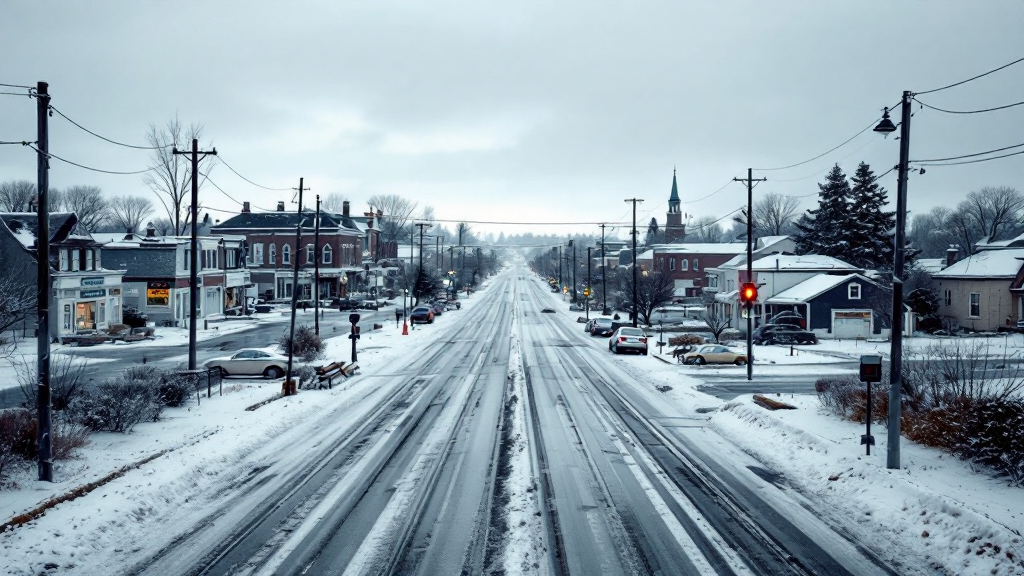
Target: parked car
{"points": [[344, 304], [438, 308], [600, 327], [369, 305], [250, 362], [714, 354], [132, 317], [422, 314], [782, 334], [264, 308], [628, 338]]}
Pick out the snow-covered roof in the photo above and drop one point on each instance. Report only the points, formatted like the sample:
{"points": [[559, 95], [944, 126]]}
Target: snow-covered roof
{"points": [[1016, 242], [812, 287], [701, 248], [930, 265], [766, 241], [727, 296], [646, 255], [805, 262], [986, 264]]}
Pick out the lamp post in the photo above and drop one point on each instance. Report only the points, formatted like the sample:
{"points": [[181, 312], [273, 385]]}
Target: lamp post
{"points": [[896, 351]]}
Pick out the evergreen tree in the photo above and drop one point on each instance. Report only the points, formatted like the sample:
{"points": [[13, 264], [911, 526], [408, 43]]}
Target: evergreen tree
{"points": [[870, 226], [825, 230]]}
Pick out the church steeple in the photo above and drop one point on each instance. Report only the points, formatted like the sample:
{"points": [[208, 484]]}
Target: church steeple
{"points": [[673, 199]]}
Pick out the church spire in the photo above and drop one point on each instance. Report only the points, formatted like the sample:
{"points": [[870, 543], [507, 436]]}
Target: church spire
{"points": [[673, 199]]}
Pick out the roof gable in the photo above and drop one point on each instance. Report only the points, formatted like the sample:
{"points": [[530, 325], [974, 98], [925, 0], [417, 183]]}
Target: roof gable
{"points": [[986, 264], [814, 287]]}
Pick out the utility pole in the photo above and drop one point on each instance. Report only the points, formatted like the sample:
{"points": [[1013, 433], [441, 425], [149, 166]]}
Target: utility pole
{"points": [[44, 438], [559, 267], [750, 265], [295, 288], [589, 290], [604, 275], [419, 274], [573, 246], [316, 270], [193, 276], [896, 350], [634, 201]]}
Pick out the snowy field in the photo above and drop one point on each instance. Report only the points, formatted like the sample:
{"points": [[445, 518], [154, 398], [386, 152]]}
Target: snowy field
{"points": [[935, 510]]}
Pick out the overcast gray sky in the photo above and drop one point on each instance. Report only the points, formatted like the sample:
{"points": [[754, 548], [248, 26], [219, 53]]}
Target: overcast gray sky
{"points": [[517, 111]]}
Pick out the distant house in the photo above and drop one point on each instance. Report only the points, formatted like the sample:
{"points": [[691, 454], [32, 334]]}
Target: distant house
{"points": [[984, 291], [834, 306], [85, 296]]}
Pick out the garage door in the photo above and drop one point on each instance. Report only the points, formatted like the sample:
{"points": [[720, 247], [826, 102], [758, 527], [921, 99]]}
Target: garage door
{"points": [[851, 323]]}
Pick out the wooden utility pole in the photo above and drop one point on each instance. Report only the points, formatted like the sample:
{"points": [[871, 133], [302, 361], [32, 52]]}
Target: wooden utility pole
{"points": [[316, 270], [634, 314], [604, 275], [750, 264], [193, 277], [295, 287], [419, 273], [44, 438]]}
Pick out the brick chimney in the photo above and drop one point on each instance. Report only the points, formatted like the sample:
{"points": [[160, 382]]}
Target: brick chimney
{"points": [[280, 206], [245, 207], [128, 234], [345, 208], [951, 254], [150, 231]]}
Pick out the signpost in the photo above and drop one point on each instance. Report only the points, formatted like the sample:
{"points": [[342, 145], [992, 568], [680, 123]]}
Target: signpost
{"points": [[354, 319], [870, 371]]}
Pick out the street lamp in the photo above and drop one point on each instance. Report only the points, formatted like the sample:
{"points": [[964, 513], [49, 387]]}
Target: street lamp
{"points": [[896, 351]]}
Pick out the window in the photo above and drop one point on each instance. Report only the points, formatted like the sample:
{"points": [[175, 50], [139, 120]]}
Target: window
{"points": [[948, 297], [231, 256], [975, 305], [695, 267], [327, 254], [88, 260], [853, 292], [75, 261], [672, 264], [188, 259], [684, 264], [101, 316], [64, 264], [310, 254], [67, 317], [257, 254], [272, 259], [286, 254]]}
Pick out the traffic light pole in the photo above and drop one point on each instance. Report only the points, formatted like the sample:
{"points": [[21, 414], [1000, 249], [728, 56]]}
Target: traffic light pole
{"points": [[750, 268]]}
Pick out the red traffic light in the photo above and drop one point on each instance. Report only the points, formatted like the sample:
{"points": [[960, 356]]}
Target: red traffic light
{"points": [[748, 293]]}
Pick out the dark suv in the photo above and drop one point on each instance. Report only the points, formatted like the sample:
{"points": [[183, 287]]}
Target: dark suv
{"points": [[783, 334]]}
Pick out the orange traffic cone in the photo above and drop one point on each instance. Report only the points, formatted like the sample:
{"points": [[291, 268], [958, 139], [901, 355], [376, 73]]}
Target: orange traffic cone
{"points": [[405, 328]]}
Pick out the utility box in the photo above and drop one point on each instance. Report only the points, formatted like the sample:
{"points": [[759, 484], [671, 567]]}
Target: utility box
{"points": [[871, 368]]}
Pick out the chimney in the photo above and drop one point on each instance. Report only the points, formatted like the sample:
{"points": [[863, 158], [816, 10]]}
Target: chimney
{"points": [[128, 235], [151, 231], [280, 206], [245, 207], [344, 208], [951, 254]]}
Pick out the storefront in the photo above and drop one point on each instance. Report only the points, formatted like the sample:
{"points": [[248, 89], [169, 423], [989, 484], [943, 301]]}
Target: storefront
{"points": [[87, 303]]}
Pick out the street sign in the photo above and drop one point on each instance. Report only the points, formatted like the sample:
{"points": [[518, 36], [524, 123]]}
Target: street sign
{"points": [[870, 368], [353, 318]]}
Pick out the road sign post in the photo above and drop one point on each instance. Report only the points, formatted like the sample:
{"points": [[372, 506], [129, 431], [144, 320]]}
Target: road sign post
{"points": [[870, 371], [354, 319]]}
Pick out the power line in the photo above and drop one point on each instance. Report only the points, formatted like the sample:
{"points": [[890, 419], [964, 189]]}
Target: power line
{"points": [[971, 79], [83, 128], [22, 142], [15, 94], [230, 197], [52, 155], [16, 86], [533, 223], [969, 155], [712, 194], [975, 161], [250, 181], [969, 111]]}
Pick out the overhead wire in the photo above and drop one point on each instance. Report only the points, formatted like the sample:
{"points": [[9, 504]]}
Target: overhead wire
{"points": [[29, 94], [22, 142], [221, 159], [969, 111], [83, 128], [968, 155], [973, 161], [971, 78], [52, 155], [15, 86], [229, 196]]}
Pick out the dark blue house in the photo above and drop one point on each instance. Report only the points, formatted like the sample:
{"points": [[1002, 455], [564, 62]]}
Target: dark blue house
{"points": [[836, 306]]}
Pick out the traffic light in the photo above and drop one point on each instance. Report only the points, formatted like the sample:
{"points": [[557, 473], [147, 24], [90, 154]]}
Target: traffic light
{"points": [[748, 294], [586, 292]]}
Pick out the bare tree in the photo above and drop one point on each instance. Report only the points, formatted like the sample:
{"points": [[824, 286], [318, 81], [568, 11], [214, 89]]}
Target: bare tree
{"points": [[986, 214], [171, 179], [653, 289], [163, 226], [17, 303], [396, 213], [931, 234], [128, 212], [333, 202], [88, 203], [773, 213], [716, 321], [15, 195], [427, 214], [705, 229]]}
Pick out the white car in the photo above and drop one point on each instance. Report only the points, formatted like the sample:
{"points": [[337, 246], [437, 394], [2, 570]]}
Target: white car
{"points": [[250, 362]]}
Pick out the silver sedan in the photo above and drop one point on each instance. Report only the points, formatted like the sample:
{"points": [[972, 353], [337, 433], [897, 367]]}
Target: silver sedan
{"points": [[250, 362]]}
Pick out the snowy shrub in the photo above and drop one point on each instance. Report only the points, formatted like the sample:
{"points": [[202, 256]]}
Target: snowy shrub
{"points": [[730, 334], [841, 394], [119, 404], [304, 375], [66, 380], [952, 369], [18, 429], [175, 389], [308, 345], [683, 339]]}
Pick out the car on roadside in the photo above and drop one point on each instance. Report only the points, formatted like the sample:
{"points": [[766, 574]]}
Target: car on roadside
{"points": [[782, 334], [250, 362], [422, 315], [345, 304], [600, 327], [438, 308], [714, 354], [369, 305], [628, 338]]}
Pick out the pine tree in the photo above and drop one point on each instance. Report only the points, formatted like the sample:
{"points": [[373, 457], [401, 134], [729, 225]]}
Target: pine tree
{"points": [[871, 226], [825, 230]]}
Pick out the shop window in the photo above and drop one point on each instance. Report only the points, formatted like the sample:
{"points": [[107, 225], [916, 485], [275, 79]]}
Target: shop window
{"points": [[853, 292], [67, 317], [975, 305], [327, 255], [286, 254]]}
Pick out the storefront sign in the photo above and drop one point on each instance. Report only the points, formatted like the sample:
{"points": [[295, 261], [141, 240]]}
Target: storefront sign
{"points": [[92, 281], [93, 293], [158, 294]]}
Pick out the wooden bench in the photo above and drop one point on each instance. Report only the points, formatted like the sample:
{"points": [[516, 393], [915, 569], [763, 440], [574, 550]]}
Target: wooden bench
{"points": [[329, 372]]}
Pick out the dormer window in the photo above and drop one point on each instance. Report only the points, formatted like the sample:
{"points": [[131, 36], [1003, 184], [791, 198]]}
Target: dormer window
{"points": [[853, 291]]}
